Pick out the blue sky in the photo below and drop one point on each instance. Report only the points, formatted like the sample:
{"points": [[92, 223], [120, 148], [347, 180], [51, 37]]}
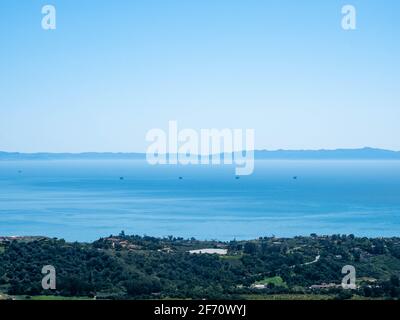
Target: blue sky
{"points": [[112, 70]]}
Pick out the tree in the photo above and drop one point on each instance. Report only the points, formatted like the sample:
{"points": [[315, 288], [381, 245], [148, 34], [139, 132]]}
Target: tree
{"points": [[395, 281], [250, 248]]}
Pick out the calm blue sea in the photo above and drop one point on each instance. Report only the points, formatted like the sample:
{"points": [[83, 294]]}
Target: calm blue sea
{"points": [[85, 200]]}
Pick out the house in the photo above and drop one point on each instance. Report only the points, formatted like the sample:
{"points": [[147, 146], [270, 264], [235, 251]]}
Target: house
{"points": [[210, 251], [325, 286]]}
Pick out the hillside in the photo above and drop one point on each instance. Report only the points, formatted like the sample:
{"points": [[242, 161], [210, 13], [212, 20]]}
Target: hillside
{"points": [[134, 267]]}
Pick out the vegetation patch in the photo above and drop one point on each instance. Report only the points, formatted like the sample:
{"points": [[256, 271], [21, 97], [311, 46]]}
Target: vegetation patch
{"points": [[135, 267], [275, 281]]}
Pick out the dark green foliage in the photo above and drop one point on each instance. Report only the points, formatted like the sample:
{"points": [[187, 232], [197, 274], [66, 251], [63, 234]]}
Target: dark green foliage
{"points": [[126, 267]]}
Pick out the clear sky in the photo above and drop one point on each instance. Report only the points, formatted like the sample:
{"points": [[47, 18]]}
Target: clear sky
{"points": [[114, 69]]}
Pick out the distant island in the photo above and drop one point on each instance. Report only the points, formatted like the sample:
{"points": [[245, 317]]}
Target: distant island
{"points": [[323, 154]]}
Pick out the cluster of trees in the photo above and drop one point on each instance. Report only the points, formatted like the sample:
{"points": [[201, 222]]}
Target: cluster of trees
{"points": [[80, 269], [146, 267], [87, 270]]}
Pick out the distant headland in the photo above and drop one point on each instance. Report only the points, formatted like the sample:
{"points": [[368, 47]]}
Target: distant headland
{"points": [[322, 154]]}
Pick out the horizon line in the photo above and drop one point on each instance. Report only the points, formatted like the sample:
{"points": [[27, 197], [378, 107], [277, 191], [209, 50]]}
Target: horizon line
{"points": [[255, 150]]}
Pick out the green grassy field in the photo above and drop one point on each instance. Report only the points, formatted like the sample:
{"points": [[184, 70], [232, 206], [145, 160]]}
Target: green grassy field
{"points": [[277, 281], [41, 298], [287, 297], [236, 257]]}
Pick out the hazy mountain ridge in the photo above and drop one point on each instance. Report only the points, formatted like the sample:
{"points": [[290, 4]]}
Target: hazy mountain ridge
{"points": [[70, 156], [362, 153]]}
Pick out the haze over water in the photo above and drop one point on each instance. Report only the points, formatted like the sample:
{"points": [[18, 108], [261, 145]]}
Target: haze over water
{"points": [[84, 200]]}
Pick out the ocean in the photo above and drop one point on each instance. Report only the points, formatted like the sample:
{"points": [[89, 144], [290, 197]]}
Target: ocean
{"points": [[83, 200]]}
